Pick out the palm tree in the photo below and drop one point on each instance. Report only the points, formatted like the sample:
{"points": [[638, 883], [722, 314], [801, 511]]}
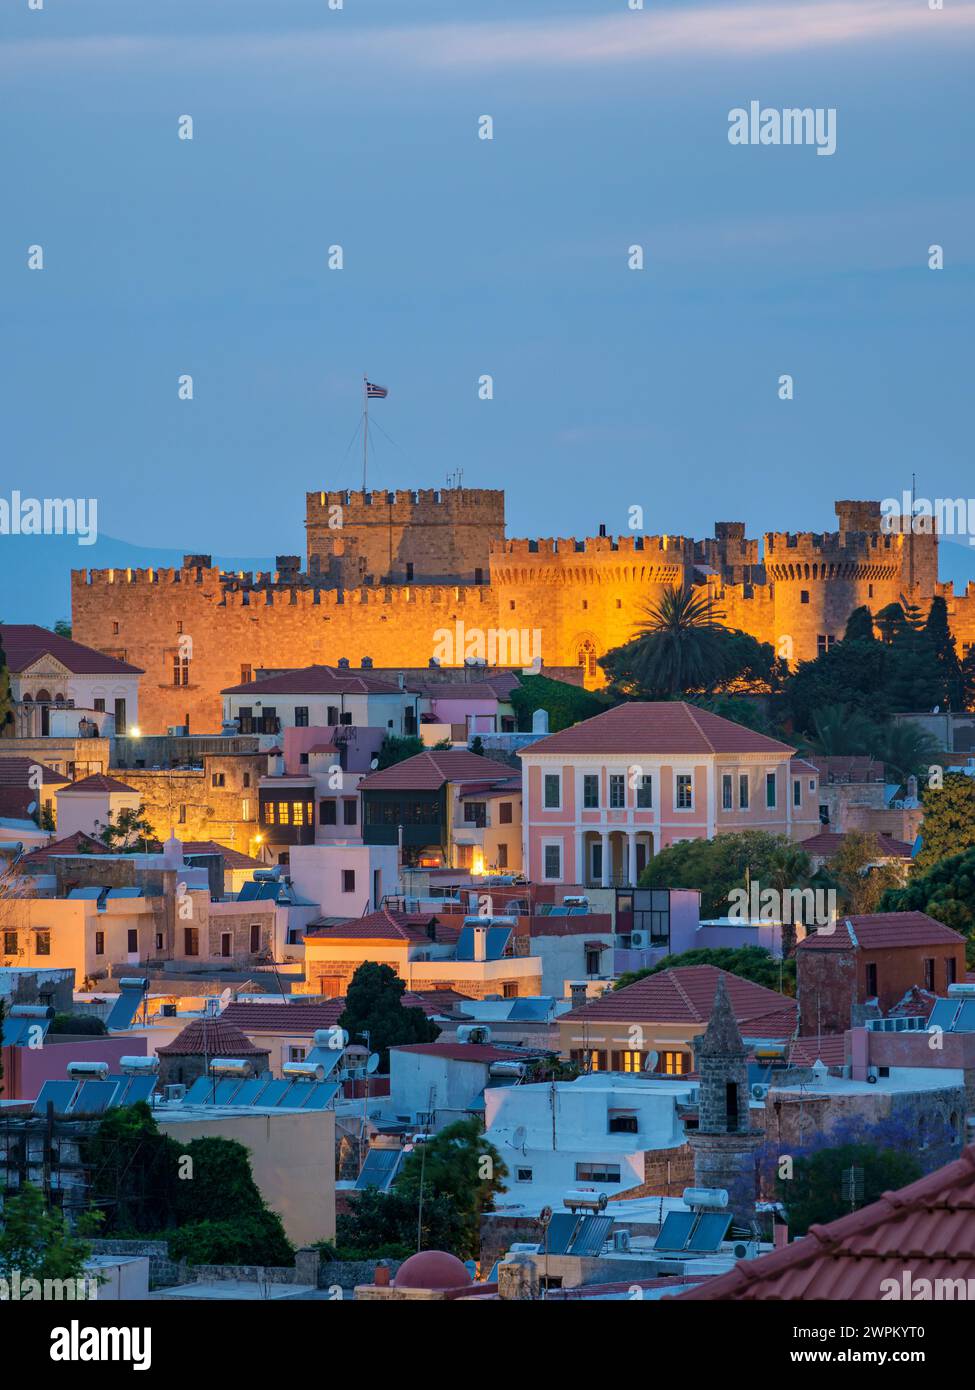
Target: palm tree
{"points": [[842, 732], [789, 867], [679, 645], [906, 750]]}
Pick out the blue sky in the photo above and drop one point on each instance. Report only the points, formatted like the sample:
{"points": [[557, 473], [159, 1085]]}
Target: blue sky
{"points": [[463, 257]]}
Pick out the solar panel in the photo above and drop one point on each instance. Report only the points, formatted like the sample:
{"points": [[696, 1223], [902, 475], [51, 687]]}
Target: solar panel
{"points": [[60, 1092], [710, 1231], [273, 1092], [965, 1022], [139, 1088], [943, 1015], [593, 1236], [379, 1169], [22, 1032], [561, 1230], [226, 1090], [497, 940], [321, 1096], [200, 1092], [675, 1230], [94, 1097], [124, 1009], [327, 1057], [249, 1090]]}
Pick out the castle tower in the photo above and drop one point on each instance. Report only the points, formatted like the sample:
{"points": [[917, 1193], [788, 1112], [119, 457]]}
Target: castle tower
{"points": [[441, 536], [724, 1143]]}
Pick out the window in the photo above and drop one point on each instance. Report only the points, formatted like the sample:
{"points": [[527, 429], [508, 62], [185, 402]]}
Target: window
{"points": [[225, 944], [246, 675], [42, 945], [951, 970], [803, 595], [683, 792], [181, 670], [630, 1061], [796, 792], [119, 716], [475, 813], [115, 629], [502, 856], [672, 1063], [191, 941], [553, 792], [332, 717], [298, 813], [478, 576], [301, 716], [644, 794], [590, 791], [509, 990], [871, 981], [255, 938], [523, 1175], [743, 791], [245, 809], [132, 941], [99, 703], [99, 943], [929, 975], [553, 861], [246, 780], [182, 815], [623, 1124], [350, 813], [284, 813], [245, 719], [348, 880], [597, 1172], [409, 570], [617, 791], [504, 813], [326, 813], [592, 962], [159, 940], [726, 791], [218, 779], [770, 790]]}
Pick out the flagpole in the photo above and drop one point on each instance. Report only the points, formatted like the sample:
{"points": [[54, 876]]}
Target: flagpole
{"points": [[365, 430]]}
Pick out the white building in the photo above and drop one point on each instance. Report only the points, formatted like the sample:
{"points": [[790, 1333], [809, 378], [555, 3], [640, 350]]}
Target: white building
{"points": [[594, 1132], [320, 696], [58, 685], [345, 878]]}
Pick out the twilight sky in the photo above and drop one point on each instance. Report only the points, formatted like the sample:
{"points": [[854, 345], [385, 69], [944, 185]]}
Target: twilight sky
{"points": [[358, 126]]}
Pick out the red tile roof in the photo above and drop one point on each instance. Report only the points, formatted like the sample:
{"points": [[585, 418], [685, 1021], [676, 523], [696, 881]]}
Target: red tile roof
{"points": [[25, 643], [830, 1049], [847, 769], [232, 858], [828, 842], [98, 782], [15, 772], [78, 843], [211, 1037], [923, 1231], [306, 1019], [685, 994], [428, 771], [657, 727], [387, 925], [882, 931], [317, 680]]}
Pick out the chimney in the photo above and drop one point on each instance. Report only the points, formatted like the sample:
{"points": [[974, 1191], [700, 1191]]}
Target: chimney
{"points": [[540, 721], [366, 663], [578, 994], [343, 663], [780, 1235], [480, 943], [602, 528]]}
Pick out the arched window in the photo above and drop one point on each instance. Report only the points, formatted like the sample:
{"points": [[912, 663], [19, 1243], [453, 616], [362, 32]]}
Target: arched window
{"points": [[586, 657]]}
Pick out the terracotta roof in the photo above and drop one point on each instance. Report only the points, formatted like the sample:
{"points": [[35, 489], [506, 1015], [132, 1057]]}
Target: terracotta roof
{"points": [[882, 931], [685, 994], [232, 858], [14, 772], [317, 680], [211, 1037], [428, 771], [454, 690], [24, 643], [98, 782], [387, 925], [830, 1049], [828, 842], [471, 1052], [847, 769], [283, 1018], [802, 765], [923, 1231], [78, 843], [657, 727]]}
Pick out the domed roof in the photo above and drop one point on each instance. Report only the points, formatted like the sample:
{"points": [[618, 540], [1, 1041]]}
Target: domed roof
{"points": [[211, 1037], [432, 1269]]}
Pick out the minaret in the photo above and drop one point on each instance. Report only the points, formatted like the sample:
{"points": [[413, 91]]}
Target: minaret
{"points": [[724, 1143]]}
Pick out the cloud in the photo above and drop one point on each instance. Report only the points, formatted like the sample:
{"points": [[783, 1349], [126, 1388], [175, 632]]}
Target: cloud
{"points": [[642, 36]]}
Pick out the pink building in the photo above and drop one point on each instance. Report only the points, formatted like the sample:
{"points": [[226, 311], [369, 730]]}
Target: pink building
{"points": [[600, 799]]}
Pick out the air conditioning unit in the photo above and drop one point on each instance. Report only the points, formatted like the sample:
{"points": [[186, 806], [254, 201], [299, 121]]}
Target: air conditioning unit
{"points": [[177, 1091], [746, 1250], [621, 1241], [759, 1091], [177, 731], [873, 1075], [639, 940]]}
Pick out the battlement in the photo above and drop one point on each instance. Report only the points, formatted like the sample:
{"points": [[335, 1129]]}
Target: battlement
{"points": [[564, 547], [843, 544], [415, 507]]}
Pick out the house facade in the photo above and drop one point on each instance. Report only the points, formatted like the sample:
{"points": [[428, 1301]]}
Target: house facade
{"points": [[601, 798]]}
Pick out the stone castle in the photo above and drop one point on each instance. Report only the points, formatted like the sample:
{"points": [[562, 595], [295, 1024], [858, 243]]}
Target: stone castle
{"points": [[387, 572]]}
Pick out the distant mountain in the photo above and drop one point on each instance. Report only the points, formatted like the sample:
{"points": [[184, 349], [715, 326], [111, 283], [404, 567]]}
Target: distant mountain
{"points": [[35, 571], [956, 562]]}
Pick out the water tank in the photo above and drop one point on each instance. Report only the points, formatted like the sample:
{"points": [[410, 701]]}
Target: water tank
{"points": [[84, 1069], [336, 1038], [309, 1071], [139, 1066], [705, 1197], [584, 1199], [473, 1033], [229, 1066]]}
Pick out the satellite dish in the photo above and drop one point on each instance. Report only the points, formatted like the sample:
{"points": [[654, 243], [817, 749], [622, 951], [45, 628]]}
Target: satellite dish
{"points": [[519, 1137], [545, 1216], [225, 998], [373, 1063], [32, 808], [651, 1061], [374, 764]]}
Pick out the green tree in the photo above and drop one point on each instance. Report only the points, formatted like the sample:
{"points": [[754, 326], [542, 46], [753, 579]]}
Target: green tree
{"points": [[914, 679], [35, 1239], [747, 962], [952, 682], [129, 832], [744, 712], [395, 749], [566, 704], [813, 1195], [251, 1238], [839, 731], [860, 880], [905, 749], [945, 891], [461, 1164], [849, 675], [949, 819], [373, 1004], [79, 1024], [720, 866], [133, 1170], [62, 628], [477, 745], [859, 626], [383, 1225]]}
